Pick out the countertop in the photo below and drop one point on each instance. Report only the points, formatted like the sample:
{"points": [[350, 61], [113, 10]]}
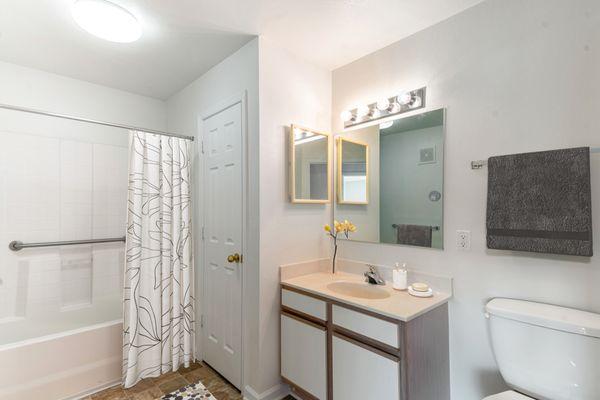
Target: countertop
{"points": [[400, 305]]}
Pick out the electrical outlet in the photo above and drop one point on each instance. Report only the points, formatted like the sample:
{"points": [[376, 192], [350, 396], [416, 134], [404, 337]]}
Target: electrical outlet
{"points": [[463, 240]]}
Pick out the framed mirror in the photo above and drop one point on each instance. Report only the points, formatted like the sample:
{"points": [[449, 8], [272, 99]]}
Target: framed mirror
{"points": [[352, 171], [310, 167], [397, 168]]}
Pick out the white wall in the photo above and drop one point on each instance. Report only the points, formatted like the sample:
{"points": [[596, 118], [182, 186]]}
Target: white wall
{"points": [[515, 76], [235, 74], [291, 91], [33, 88]]}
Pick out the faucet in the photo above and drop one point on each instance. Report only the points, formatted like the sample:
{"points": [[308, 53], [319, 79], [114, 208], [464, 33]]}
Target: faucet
{"points": [[373, 277]]}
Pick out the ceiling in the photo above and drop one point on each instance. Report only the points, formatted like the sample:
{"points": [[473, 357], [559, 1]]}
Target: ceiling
{"points": [[182, 39]]}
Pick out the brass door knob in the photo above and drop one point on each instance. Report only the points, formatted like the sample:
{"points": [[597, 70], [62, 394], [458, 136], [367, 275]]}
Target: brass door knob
{"points": [[234, 258]]}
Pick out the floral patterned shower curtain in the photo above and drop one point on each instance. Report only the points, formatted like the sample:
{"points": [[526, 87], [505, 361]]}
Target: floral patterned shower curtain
{"points": [[158, 316]]}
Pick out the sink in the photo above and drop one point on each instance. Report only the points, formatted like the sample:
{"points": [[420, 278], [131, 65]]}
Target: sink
{"points": [[360, 290]]}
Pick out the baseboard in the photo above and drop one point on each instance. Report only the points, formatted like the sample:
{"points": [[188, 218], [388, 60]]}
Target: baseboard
{"points": [[94, 390], [275, 393]]}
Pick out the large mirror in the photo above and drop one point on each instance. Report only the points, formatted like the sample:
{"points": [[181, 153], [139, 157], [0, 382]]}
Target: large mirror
{"points": [[390, 180], [352, 172], [309, 166]]}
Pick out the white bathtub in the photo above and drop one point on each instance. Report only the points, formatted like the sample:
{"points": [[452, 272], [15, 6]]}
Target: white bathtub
{"points": [[67, 365]]}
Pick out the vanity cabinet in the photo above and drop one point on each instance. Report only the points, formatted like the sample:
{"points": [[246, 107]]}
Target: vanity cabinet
{"points": [[331, 350]]}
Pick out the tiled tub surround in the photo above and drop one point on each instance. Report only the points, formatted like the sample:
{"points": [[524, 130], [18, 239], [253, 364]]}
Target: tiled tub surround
{"points": [[338, 347], [57, 188], [60, 182]]}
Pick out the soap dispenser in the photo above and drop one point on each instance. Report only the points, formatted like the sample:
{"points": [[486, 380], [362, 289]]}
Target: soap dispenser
{"points": [[400, 277]]}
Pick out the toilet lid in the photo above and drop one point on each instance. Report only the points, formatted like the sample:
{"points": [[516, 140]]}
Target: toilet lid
{"points": [[509, 395]]}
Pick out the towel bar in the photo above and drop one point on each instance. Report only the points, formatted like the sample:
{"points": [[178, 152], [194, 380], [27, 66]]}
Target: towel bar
{"points": [[433, 228], [479, 164]]}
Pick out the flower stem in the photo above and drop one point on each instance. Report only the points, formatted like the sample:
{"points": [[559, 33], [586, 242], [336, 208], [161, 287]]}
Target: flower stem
{"points": [[335, 247]]}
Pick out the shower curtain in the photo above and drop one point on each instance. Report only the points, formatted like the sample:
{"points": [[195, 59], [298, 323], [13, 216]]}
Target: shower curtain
{"points": [[158, 315]]}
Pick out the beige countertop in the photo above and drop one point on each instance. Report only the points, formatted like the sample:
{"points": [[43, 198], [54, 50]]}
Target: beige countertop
{"points": [[399, 305]]}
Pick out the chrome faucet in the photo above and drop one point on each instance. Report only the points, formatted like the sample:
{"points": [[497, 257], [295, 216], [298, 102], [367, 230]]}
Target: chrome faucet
{"points": [[373, 277]]}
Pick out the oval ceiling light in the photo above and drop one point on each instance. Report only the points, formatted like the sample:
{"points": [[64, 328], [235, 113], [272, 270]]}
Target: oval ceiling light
{"points": [[107, 21]]}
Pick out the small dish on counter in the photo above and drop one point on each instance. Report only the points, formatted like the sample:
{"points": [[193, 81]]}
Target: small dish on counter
{"points": [[420, 292]]}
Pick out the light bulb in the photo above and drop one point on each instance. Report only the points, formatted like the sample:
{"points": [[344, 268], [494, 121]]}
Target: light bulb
{"points": [[346, 116], [386, 124], [395, 108], [383, 104], [416, 102], [404, 98], [363, 111]]}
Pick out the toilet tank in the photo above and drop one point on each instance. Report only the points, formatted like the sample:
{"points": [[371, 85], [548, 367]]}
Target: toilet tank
{"points": [[545, 351]]}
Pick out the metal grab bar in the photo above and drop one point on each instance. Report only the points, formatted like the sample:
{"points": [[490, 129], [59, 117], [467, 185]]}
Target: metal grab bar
{"points": [[17, 245]]}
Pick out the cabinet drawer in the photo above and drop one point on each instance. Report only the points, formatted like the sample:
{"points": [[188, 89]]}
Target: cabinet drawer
{"points": [[304, 304], [304, 355], [363, 373], [378, 329]]}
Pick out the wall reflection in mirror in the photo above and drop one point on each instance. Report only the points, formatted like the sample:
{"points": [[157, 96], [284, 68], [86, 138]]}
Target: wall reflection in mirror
{"points": [[389, 180], [353, 183], [310, 167]]}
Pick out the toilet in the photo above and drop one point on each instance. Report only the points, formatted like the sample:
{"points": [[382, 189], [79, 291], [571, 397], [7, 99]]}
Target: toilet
{"points": [[545, 352]]}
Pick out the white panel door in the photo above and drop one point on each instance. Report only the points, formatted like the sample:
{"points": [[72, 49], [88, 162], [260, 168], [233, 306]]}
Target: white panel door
{"points": [[222, 306]]}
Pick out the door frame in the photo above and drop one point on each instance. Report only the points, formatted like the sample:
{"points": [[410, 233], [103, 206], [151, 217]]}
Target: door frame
{"points": [[238, 98]]}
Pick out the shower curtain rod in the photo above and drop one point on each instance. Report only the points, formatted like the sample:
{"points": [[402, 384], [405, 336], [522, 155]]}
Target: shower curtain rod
{"points": [[92, 121]]}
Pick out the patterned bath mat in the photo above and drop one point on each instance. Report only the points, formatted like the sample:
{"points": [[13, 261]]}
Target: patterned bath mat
{"points": [[195, 391]]}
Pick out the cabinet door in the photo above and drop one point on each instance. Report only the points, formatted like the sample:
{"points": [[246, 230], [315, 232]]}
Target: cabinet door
{"points": [[360, 372], [304, 355]]}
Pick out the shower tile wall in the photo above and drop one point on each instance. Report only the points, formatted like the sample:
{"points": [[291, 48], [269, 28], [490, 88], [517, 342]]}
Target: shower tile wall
{"points": [[60, 189]]}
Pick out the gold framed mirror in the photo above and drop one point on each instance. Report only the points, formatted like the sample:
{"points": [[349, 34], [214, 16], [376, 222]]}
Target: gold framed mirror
{"points": [[310, 166], [352, 171]]}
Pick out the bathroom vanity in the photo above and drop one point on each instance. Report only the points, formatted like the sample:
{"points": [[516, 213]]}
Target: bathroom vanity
{"points": [[343, 339]]}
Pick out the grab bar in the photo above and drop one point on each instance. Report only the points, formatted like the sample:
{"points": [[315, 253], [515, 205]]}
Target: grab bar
{"points": [[17, 245]]}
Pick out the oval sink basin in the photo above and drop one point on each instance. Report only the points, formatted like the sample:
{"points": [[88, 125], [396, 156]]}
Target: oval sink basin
{"points": [[360, 290]]}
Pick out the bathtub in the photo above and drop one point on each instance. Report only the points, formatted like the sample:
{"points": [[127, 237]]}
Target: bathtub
{"points": [[67, 365]]}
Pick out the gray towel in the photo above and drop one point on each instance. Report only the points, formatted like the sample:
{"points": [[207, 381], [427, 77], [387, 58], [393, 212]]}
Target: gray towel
{"points": [[414, 235], [541, 202]]}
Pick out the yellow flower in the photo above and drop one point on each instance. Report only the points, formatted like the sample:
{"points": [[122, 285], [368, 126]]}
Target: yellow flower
{"points": [[352, 228], [338, 226], [327, 228]]}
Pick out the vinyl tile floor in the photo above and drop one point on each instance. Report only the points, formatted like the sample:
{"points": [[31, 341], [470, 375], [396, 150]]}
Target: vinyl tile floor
{"points": [[155, 388]]}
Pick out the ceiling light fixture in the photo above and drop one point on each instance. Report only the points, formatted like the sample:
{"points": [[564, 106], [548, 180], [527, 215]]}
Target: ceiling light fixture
{"points": [[107, 21]]}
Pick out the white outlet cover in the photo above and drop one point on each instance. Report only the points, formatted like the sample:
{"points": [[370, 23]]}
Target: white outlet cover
{"points": [[463, 240]]}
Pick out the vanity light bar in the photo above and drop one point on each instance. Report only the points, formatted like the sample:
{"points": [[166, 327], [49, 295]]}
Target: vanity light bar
{"points": [[399, 104]]}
